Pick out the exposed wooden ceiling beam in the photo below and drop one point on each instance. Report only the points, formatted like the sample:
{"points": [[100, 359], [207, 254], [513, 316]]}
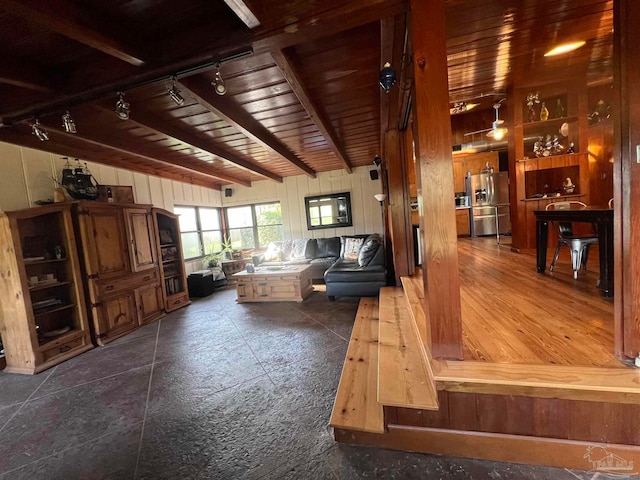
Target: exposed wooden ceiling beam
{"points": [[351, 14], [233, 114], [67, 19], [318, 116], [184, 163], [392, 40], [243, 12], [71, 147], [22, 74], [154, 123]]}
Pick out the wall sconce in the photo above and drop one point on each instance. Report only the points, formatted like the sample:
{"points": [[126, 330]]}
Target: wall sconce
{"points": [[68, 123], [218, 82], [387, 77], [40, 133], [174, 92], [123, 109]]}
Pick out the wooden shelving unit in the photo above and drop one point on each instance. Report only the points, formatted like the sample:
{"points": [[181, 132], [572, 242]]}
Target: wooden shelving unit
{"points": [[172, 269], [44, 318], [536, 176]]}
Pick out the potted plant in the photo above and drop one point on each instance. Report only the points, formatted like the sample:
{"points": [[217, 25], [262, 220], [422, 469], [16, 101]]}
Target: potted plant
{"points": [[227, 248], [212, 260]]}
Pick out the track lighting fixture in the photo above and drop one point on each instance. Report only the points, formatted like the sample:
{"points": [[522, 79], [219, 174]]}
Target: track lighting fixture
{"points": [[218, 82], [40, 133], [377, 161], [68, 123], [174, 92], [123, 109]]}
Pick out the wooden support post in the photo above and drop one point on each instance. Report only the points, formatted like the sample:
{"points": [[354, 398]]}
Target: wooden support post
{"points": [[433, 152], [626, 179], [398, 212]]}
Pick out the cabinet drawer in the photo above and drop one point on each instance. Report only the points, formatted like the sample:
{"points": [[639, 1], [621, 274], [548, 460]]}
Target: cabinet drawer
{"points": [[105, 287], [62, 348], [176, 301]]}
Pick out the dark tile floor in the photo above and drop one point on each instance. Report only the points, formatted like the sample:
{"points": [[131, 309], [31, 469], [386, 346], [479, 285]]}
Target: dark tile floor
{"points": [[213, 391]]}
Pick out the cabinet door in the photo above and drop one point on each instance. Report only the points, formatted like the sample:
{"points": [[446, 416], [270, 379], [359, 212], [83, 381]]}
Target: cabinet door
{"points": [[104, 241], [141, 233], [150, 303], [245, 290], [115, 316]]}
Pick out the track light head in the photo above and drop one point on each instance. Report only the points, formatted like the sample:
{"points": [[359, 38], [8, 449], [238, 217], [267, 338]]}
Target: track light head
{"points": [[218, 82], [377, 161], [68, 123], [123, 109], [40, 133], [174, 92]]}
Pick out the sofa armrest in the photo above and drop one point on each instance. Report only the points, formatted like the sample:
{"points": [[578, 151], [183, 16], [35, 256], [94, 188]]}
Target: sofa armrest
{"points": [[257, 259]]}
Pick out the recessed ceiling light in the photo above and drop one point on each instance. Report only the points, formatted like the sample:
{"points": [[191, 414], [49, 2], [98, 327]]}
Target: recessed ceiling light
{"points": [[564, 48]]}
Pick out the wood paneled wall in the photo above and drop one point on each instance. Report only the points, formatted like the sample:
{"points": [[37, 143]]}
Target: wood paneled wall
{"points": [[28, 175], [537, 417], [367, 216]]}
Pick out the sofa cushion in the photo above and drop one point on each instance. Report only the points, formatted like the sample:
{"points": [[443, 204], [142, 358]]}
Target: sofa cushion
{"points": [[297, 261], [349, 271], [344, 238], [328, 247], [274, 252], [326, 262], [351, 247], [369, 249]]}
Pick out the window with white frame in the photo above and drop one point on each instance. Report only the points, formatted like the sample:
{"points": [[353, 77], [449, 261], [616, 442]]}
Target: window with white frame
{"points": [[200, 229], [254, 226]]}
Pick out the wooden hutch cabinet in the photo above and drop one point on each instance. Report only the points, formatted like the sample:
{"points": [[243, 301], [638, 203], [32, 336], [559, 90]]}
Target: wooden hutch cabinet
{"points": [[172, 269], [122, 275], [43, 319]]}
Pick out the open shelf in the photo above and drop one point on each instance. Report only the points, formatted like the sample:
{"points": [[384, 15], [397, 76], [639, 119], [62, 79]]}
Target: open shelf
{"points": [[36, 288], [53, 310]]}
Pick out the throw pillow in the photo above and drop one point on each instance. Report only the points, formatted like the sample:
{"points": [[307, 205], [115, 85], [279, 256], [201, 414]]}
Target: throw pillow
{"points": [[368, 250], [352, 247], [273, 253], [299, 248]]}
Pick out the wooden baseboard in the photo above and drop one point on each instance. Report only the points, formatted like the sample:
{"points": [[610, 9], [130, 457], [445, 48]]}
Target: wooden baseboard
{"points": [[597, 457]]}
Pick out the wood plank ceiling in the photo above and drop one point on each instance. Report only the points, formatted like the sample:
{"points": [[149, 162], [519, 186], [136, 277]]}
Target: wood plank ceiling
{"points": [[304, 101]]}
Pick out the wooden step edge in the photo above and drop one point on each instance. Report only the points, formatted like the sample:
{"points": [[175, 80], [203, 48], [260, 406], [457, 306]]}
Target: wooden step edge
{"points": [[405, 379], [617, 385], [413, 296], [356, 406]]}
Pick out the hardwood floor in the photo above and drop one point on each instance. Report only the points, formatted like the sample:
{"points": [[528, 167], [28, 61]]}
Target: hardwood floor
{"points": [[512, 314]]}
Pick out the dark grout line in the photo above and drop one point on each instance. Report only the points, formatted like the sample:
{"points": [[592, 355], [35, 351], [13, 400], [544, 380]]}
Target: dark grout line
{"points": [[322, 324], [251, 350], [29, 398], [2, 474], [146, 404]]}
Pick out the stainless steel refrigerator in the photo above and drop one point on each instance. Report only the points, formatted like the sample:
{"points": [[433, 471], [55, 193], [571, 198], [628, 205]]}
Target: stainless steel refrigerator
{"points": [[490, 210]]}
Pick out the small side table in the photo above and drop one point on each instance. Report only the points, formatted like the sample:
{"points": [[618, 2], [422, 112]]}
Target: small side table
{"points": [[229, 267]]}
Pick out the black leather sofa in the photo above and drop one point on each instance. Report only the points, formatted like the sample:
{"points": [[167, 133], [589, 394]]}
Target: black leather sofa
{"points": [[351, 266], [357, 275], [320, 253]]}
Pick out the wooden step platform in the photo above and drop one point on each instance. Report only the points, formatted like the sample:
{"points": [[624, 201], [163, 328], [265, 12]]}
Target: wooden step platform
{"points": [[405, 378], [356, 406]]}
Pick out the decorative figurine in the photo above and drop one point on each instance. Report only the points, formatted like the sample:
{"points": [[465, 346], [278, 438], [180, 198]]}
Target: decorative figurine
{"points": [[544, 113], [571, 148], [531, 99], [560, 112]]}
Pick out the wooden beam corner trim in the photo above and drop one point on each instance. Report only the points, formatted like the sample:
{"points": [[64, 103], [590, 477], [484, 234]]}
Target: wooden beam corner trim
{"points": [[241, 120], [243, 12], [287, 68]]}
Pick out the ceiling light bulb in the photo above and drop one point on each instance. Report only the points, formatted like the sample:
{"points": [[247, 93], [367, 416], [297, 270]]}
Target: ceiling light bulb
{"points": [[68, 123], [564, 48], [174, 93], [123, 109], [40, 133], [218, 82]]}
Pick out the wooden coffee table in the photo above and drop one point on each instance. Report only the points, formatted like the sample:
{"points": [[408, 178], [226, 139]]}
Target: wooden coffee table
{"points": [[274, 284]]}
